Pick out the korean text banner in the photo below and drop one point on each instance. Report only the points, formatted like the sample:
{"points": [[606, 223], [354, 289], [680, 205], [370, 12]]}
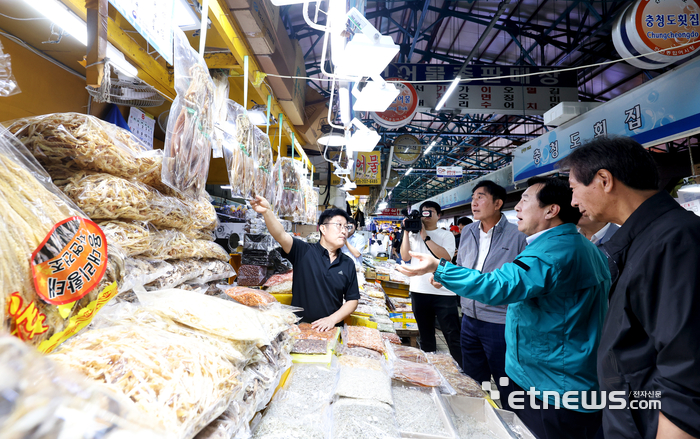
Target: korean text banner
{"points": [[368, 168]]}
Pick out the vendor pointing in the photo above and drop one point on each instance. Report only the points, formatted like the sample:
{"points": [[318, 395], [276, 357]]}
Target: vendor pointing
{"points": [[323, 275]]}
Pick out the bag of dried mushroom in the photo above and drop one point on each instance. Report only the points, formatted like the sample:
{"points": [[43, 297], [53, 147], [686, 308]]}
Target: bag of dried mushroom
{"points": [[54, 266]]}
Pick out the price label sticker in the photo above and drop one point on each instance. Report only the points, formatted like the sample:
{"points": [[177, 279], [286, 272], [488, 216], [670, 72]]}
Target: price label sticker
{"points": [[70, 262]]}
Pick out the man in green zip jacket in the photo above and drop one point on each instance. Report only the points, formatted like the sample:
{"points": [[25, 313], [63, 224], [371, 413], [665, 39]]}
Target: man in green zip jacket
{"points": [[556, 290]]}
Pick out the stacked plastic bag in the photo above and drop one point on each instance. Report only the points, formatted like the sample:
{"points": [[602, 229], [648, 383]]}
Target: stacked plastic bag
{"points": [[31, 209]]}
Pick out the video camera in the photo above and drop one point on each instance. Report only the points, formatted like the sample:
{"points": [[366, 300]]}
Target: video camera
{"points": [[413, 222]]}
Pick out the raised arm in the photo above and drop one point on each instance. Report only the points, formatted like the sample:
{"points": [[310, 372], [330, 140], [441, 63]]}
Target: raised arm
{"points": [[262, 206]]}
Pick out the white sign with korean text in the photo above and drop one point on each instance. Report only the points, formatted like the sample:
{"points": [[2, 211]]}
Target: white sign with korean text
{"points": [[153, 19], [449, 171]]}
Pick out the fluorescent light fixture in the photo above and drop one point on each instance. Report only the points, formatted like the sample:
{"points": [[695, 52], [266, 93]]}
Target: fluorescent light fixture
{"points": [[427, 151], [364, 57], [286, 2], [363, 139], [77, 28], [447, 94], [690, 189], [408, 172], [226, 187], [184, 17], [344, 103], [382, 205], [375, 96]]}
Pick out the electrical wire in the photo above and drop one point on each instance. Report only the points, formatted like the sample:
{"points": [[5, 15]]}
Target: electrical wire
{"points": [[524, 75], [41, 54], [24, 19]]}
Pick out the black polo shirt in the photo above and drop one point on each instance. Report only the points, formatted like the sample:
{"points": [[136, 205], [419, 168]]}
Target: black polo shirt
{"points": [[320, 286]]}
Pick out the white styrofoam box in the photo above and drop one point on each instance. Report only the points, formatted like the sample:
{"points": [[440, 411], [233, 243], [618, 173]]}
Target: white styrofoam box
{"points": [[565, 111]]}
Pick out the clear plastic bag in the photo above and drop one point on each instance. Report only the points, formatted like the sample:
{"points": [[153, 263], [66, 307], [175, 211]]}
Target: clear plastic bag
{"points": [[221, 92], [238, 143], [251, 275], [288, 185], [43, 399], [408, 353], [264, 183], [309, 346], [141, 271], [418, 374], [30, 207], [134, 237], [182, 379], [8, 83], [264, 242], [343, 350], [461, 384], [106, 197], [185, 270], [189, 134], [368, 419], [391, 338], [87, 143], [364, 337], [249, 296], [307, 332], [280, 279], [419, 411], [363, 383], [211, 315]]}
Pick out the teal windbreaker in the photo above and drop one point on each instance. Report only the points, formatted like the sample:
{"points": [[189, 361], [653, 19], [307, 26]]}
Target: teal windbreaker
{"points": [[557, 289]]}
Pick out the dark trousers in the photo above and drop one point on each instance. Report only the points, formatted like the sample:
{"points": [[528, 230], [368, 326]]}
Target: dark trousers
{"points": [[561, 423], [426, 307], [484, 353]]}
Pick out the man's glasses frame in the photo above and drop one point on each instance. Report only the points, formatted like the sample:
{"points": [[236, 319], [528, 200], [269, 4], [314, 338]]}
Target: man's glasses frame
{"points": [[340, 226]]}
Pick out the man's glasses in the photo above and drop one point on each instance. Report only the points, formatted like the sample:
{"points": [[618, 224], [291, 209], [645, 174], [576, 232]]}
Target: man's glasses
{"points": [[340, 227]]}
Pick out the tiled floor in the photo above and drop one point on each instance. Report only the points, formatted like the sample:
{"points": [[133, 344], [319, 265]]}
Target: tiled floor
{"points": [[440, 342]]}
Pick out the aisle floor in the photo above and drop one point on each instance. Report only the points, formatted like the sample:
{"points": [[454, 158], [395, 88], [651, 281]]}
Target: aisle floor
{"points": [[440, 342]]}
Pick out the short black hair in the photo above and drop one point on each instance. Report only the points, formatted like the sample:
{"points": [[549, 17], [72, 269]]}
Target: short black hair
{"points": [[496, 191], [465, 221], [556, 191], [432, 204], [352, 221], [330, 213], [622, 156]]}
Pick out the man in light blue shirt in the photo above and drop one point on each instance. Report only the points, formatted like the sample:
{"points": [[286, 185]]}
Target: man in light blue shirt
{"points": [[354, 244]]}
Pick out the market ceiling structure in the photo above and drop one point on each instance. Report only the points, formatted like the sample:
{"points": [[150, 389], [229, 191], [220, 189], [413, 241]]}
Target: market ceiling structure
{"points": [[556, 33]]}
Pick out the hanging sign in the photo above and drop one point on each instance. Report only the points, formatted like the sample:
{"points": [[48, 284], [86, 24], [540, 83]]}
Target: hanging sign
{"points": [[368, 168], [153, 20], [483, 94], [402, 110], [648, 26], [407, 149], [661, 110], [449, 171], [391, 211]]}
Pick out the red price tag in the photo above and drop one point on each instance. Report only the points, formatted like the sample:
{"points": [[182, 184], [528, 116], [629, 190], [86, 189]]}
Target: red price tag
{"points": [[70, 262]]}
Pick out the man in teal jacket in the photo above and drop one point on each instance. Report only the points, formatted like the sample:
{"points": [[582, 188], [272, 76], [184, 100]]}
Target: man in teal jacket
{"points": [[557, 295]]}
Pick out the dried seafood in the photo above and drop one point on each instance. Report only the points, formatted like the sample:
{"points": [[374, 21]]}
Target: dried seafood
{"points": [[182, 382], [358, 352], [461, 383], [355, 382], [358, 418], [416, 373], [288, 183], [88, 143], [309, 346], [249, 296], [360, 362], [417, 411], [364, 337], [251, 275], [190, 133], [132, 236], [408, 353], [307, 332], [264, 184], [392, 338]]}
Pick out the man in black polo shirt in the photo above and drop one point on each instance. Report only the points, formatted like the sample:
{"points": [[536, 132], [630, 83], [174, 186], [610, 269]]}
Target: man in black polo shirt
{"points": [[323, 275]]}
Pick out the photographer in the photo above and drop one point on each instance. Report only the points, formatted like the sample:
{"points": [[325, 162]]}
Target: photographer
{"points": [[428, 301]]}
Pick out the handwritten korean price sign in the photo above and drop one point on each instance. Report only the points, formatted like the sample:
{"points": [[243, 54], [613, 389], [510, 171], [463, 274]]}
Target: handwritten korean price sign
{"points": [[70, 262]]}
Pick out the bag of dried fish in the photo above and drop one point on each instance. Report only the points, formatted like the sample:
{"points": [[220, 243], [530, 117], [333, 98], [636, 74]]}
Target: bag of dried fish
{"points": [[182, 380], [264, 184], [190, 128], [343, 350], [221, 91], [87, 143], [238, 150], [409, 353], [249, 296], [45, 239], [309, 346], [364, 337], [391, 338], [462, 384], [134, 237], [39, 395], [106, 197], [288, 185], [140, 271], [203, 215], [209, 250], [280, 279], [185, 270], [363, 418], [416, 373]]}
